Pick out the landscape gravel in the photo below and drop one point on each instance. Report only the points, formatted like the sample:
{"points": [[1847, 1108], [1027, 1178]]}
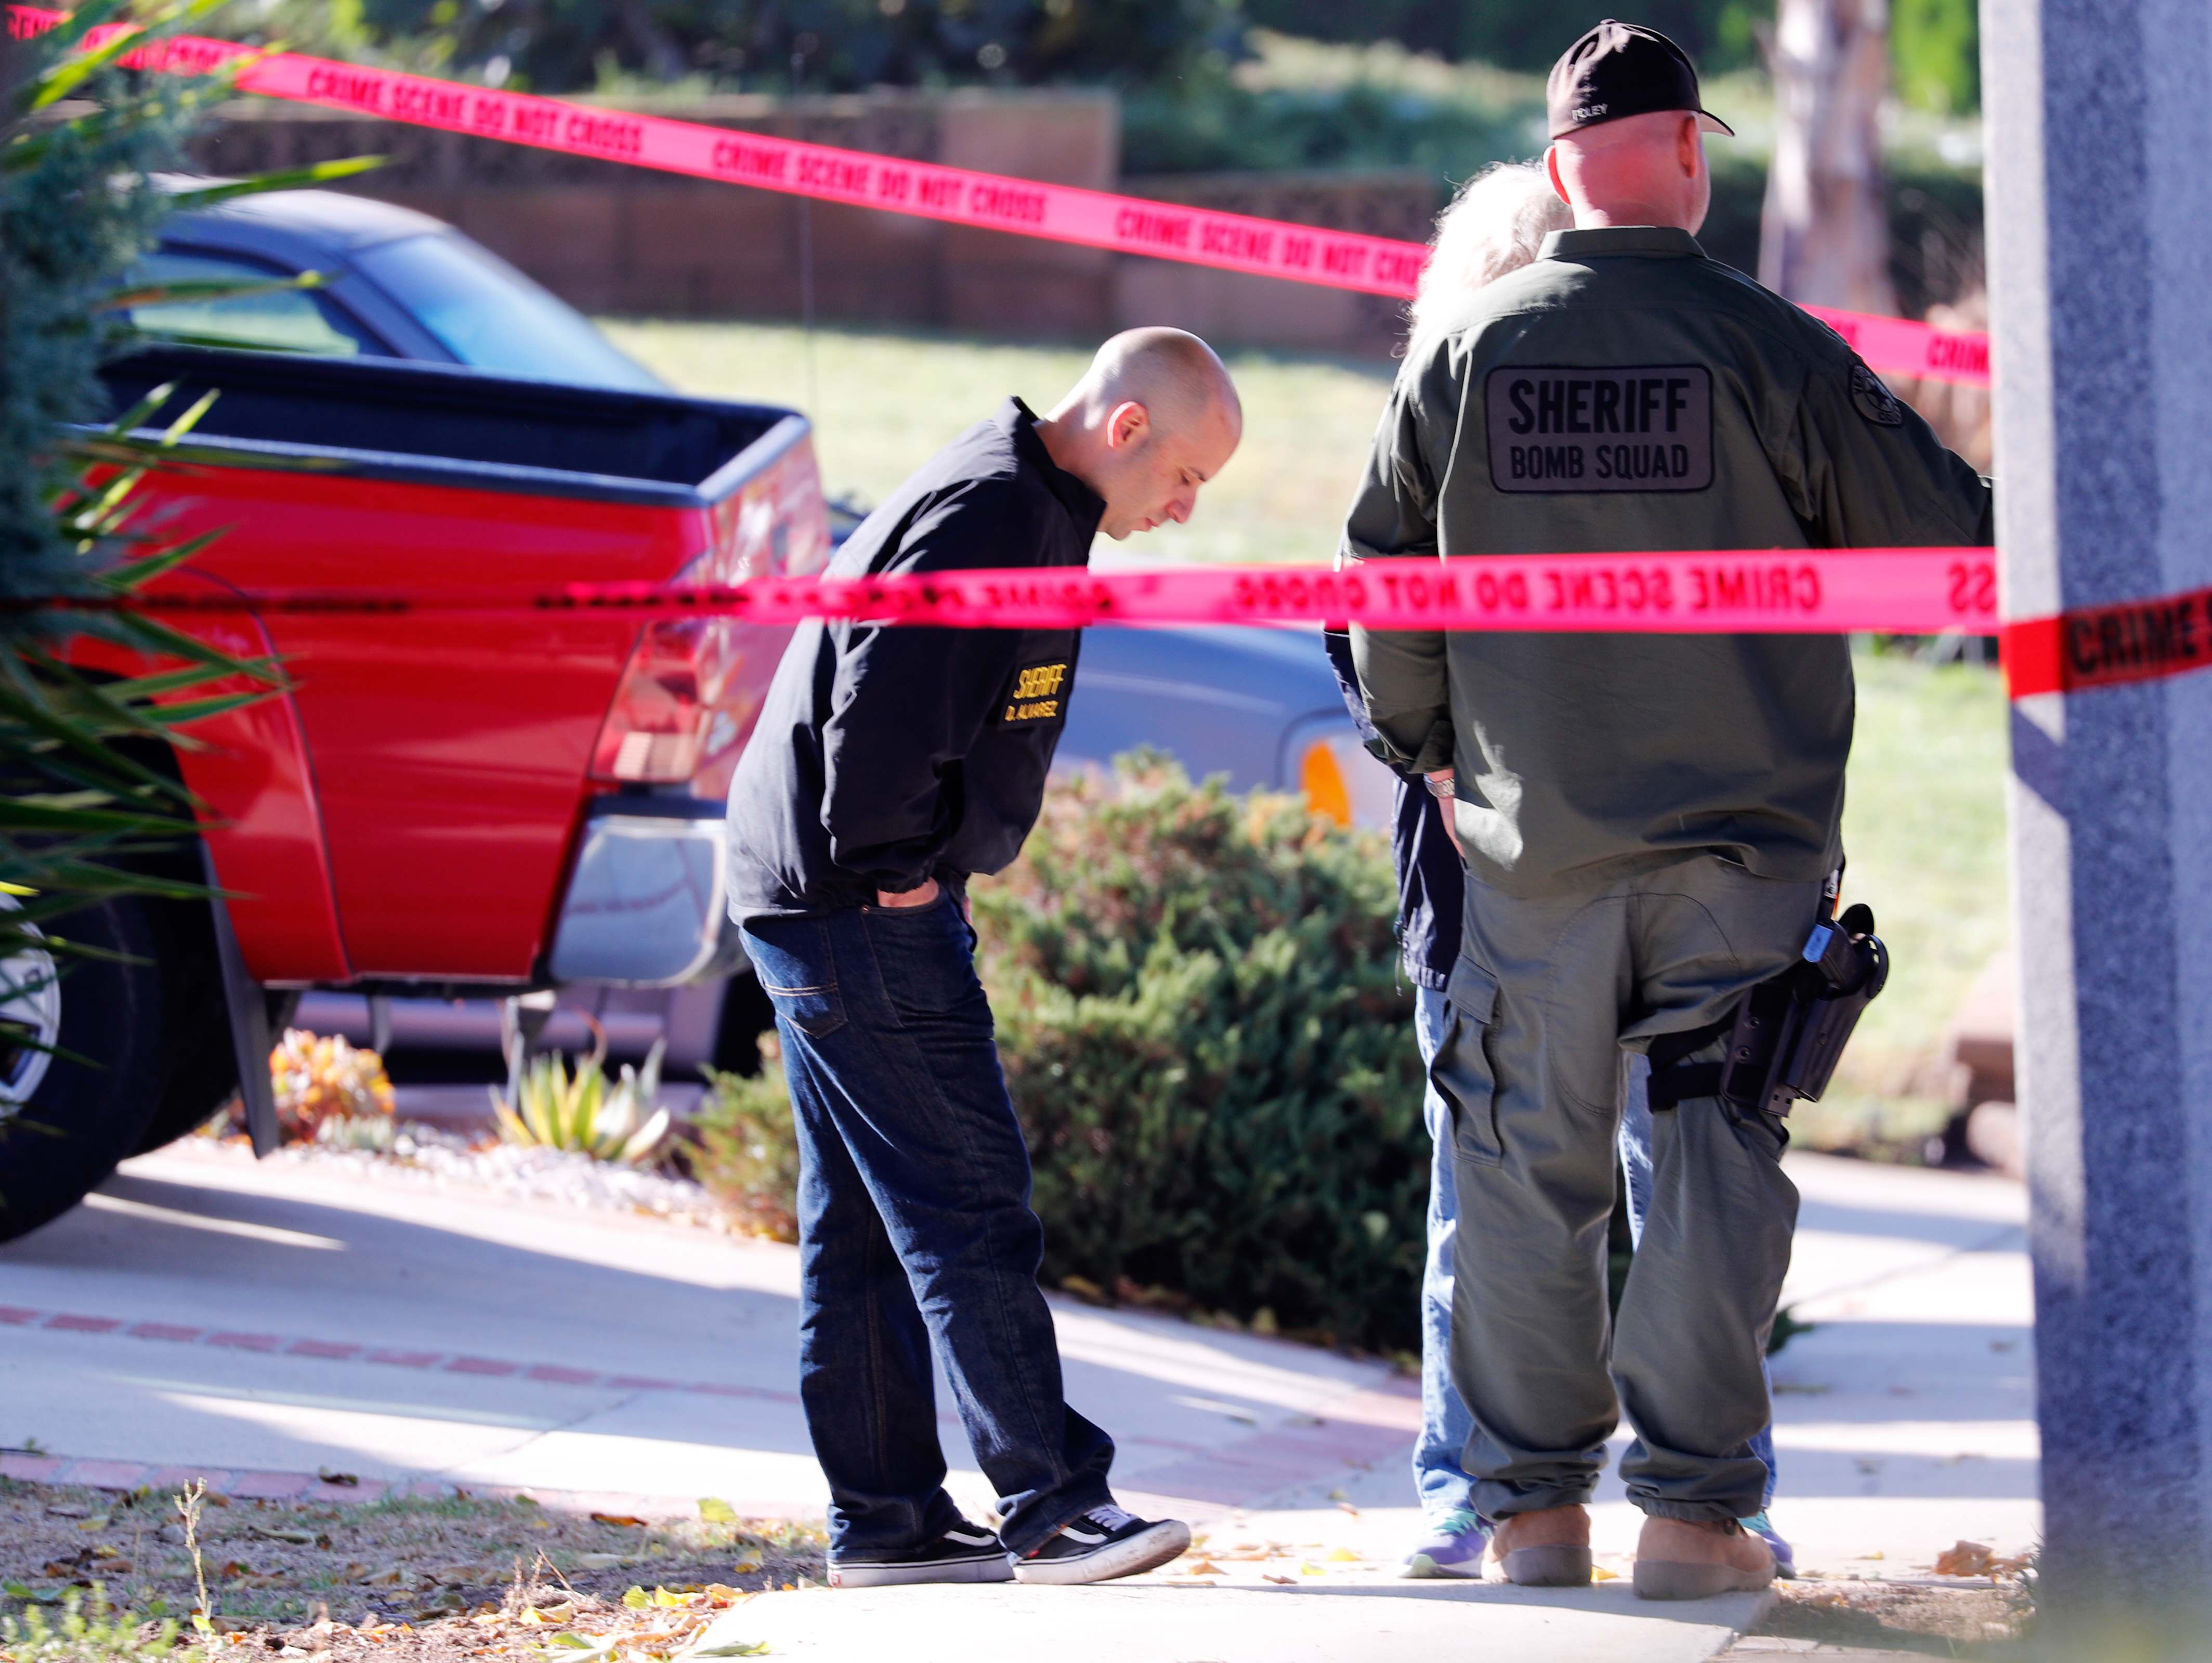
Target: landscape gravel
{"points": [[424, 1156]]}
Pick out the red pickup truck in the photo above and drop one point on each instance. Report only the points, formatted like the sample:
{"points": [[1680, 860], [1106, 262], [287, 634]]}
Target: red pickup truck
{"points": [[463, 804]]}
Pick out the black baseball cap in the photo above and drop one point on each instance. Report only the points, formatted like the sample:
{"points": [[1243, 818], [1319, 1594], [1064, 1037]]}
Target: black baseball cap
{"points": [[1620, 69]]}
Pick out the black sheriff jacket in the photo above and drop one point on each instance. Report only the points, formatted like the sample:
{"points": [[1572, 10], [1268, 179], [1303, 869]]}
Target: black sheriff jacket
{"points": [[886, 755]]}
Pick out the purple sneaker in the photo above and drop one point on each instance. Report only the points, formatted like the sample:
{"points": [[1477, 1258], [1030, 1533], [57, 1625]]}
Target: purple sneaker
{"points": [[1785, 1556], [1453, 1547]]}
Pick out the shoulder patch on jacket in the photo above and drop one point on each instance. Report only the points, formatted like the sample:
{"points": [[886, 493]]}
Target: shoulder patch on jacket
{"points": [[1038, 692], [1873, 400], [1559, 429]]}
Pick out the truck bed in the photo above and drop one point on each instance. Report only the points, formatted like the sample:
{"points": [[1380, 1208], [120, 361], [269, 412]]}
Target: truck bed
{"points": [[388, 419], [410, 809]]}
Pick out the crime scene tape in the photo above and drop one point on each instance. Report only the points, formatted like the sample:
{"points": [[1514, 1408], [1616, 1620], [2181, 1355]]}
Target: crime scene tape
{"points": [[959, 196], [1795, 591], [2113, 646]]}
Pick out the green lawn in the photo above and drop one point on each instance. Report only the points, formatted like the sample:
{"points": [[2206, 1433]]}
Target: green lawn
{"points": [[884, 402], [1925, 821], [1924, 828]]}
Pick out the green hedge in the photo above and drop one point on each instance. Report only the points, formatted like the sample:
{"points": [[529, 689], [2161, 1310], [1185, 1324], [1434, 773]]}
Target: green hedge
{"points": [[1211, 1052]]}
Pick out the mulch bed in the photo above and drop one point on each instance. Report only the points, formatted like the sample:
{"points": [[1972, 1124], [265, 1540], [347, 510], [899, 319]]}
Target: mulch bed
{"points": [[1966, 1622]]}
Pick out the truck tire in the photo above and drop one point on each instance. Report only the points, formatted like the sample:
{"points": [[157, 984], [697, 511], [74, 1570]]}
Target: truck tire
{"points": [[201, 1065], [63, 1136]]}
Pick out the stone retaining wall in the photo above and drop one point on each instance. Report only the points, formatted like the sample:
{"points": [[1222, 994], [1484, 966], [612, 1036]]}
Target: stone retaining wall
{"points": [[624, 240]]}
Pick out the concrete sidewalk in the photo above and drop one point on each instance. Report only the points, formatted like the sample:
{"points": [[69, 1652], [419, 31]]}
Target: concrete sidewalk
{"points": [[208, 1313]]}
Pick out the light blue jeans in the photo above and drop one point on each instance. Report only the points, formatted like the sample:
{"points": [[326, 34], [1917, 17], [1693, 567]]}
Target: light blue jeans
{"points": [[1442, 1485]]}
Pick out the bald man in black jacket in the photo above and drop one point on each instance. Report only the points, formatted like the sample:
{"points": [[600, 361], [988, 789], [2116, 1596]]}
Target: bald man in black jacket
{"points": [[890, 764]]}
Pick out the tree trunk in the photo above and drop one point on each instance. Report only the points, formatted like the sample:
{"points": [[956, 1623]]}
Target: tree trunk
{"points": [[1823, 237]]}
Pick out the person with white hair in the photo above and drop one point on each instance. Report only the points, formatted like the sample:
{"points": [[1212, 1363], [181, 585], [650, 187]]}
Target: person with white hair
{"points": [[1496, 223]]}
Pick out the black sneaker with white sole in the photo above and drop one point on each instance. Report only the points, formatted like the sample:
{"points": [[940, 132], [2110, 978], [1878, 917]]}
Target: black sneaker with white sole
{"points": [[965, 1553], [1103, 1544]]}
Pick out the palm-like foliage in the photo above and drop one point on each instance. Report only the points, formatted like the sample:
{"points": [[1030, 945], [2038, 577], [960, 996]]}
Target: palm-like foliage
{"points": [[85, 801]]}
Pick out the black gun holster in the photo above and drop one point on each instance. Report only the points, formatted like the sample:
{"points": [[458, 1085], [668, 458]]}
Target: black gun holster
{"points": [[1784, 1038]]}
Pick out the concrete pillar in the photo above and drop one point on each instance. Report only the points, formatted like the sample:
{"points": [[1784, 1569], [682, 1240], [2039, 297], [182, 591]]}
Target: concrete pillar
{"points": [[2099, 135]]}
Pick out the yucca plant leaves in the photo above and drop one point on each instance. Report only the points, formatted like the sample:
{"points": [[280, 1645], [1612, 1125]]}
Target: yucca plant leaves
{"points": [[208, 288], [66, 74], [289, 178]]}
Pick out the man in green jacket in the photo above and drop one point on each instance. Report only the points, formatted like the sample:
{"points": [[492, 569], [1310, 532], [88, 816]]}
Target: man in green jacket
{"points": [[1650, 821]]}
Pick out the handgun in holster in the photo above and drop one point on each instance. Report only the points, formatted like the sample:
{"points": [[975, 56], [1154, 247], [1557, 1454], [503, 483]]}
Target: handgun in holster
{"points": [[1786, 1035]]}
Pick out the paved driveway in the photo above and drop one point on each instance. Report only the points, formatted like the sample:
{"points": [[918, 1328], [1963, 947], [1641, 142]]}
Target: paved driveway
{"points": [[263, 1324]]}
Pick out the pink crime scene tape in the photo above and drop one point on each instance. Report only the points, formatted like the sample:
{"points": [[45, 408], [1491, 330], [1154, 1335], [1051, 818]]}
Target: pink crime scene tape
{"points": [[1795, 591], [959, 196]]}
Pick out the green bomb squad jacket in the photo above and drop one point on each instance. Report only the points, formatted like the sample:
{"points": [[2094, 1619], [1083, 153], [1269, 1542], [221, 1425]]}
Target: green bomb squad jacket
{"points": [[1626, 393]]}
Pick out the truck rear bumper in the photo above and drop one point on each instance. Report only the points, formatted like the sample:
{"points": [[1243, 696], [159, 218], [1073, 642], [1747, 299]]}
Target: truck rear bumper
{"points": [[646, 905]]}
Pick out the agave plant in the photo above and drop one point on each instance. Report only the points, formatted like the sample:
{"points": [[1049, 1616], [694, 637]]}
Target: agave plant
{"points": [[557, 1108]]}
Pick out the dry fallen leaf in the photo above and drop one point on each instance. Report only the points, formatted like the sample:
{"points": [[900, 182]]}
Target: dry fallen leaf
{"points": [[68, 1510], [1204, 1568], [598, 1561], [622, 1518], [1600, 1574], [1347, 1555], [346, 1480], [1271, 1577], [97, 1522], [1307, 1568], [1964, 1559]]}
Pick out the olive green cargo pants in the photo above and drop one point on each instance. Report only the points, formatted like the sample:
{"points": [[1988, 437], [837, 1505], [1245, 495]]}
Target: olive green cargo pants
{"points": [[1547, 996]]}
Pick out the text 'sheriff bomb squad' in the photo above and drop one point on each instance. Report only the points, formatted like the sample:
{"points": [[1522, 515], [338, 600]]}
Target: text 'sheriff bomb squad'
{"points": [[1558, 429]]}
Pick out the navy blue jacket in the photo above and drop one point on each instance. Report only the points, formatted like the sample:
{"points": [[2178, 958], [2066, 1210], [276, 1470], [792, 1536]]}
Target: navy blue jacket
{"points": [[887, 755], [1431, 882]]}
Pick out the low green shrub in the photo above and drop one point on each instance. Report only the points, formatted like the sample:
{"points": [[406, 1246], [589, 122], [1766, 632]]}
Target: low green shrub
{"points": [[746, 1152], [1211, 1049]]}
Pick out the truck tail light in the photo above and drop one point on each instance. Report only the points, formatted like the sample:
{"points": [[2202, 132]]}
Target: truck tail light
{"points": [[657, 724], [681, 710]]}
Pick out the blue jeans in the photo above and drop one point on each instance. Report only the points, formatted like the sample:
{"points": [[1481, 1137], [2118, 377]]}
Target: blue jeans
{"points": [[1439, 1480], [1441, 1483], [914, 1228]]}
